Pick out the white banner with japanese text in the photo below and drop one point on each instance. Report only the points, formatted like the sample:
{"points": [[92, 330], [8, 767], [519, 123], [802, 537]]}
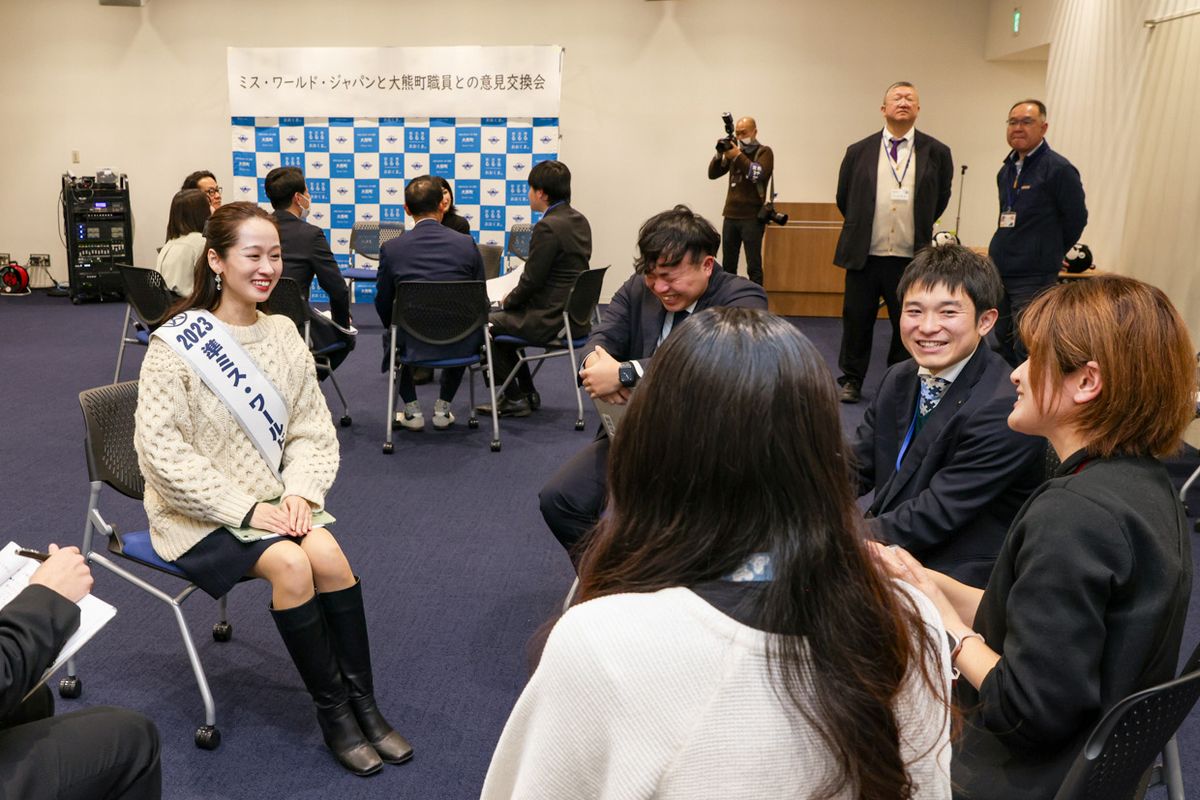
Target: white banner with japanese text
{"points": [[520, 81]]}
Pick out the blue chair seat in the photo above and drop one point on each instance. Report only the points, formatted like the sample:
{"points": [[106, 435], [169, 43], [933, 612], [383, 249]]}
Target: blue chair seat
{"points": [[330, 348], [517, 341], [444, 362], [143, 336], [360, 274], [137, 546]]}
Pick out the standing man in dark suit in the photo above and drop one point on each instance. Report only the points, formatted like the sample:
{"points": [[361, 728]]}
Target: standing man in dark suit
{"points": [[97, 752], [949, 474], [559, 249], [891, 190], [749, 164], [676, 274], [429, 252], [305, 250], [1042, 214]]}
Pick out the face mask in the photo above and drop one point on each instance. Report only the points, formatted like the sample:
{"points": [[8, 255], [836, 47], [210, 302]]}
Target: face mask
{"points": [[746, 142], [304, 210]]}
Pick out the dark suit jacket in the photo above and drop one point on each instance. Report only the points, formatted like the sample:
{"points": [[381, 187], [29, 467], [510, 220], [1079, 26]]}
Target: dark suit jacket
{"points": [[559, 249], [306, 253], [856, 194], [1086, 605], [429, 252], [1051, 214], [634, 319], [33, 628], [963, 477]]}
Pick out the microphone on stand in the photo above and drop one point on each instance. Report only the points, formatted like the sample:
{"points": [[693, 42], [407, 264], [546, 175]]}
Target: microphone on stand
{"points": [[958, 217]]}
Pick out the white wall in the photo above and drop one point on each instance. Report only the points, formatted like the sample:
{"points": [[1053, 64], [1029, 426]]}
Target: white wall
{"points": [[1032, 41], [143, 90]]}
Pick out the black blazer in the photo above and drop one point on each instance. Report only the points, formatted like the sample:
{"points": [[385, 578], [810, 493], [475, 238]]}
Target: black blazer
{"points": [[429, 252], [559, 249], [634, 319], [33, 628], [963, 477], [856, 194], [306, 254], [1086, 605]]}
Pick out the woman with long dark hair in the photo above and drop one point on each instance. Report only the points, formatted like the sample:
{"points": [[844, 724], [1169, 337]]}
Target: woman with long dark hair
{"points": [[232, 434], [450, 216], [734, 638], [185, 240], [1087, 600]]}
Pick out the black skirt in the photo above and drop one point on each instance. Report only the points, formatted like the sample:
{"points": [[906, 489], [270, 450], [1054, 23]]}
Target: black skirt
{"points": [[220, 560]]}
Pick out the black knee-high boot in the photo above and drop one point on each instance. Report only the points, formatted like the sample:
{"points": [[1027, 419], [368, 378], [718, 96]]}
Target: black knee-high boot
{"points": [[306, 636], [348, 629]]}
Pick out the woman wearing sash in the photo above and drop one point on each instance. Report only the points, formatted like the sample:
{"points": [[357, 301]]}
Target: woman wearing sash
{"points": [[1086, 602], [734, 639], [230, 416]]}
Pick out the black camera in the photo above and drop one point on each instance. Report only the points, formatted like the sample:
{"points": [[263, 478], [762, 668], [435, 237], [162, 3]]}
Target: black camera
{"points": [[768, 214], [729, 141]]}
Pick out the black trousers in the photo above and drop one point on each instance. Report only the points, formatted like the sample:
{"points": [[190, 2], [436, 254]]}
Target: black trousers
{"points": [[735, 233], [879, 277], [450, 381], [572, 500], [504, 358], [1019, 292], [98, 753]]}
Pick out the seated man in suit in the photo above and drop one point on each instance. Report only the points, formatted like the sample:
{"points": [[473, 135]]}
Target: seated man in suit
{"points": [[96, 752], [676, 274], [429, 252], [559, 250], [306, 252], [949, 474]]}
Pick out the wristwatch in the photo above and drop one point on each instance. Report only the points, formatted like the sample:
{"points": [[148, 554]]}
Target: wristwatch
{"points": [[956, 643], [626, 374]]}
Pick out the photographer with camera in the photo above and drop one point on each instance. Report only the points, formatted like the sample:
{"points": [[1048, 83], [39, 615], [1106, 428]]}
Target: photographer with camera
{"points": [[891, 190], [747, 207]]}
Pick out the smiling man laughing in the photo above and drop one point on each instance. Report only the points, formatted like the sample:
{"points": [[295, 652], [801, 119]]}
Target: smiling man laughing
{"points": [[948, 473]]}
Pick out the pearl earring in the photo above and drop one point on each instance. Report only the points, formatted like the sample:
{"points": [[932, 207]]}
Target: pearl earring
{"points": [[218, 282]]}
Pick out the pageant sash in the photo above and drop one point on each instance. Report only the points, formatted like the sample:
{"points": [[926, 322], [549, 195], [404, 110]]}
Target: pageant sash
{"points": [[227, 369]]}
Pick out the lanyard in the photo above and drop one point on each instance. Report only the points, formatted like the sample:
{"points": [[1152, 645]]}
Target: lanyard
{"points": [[912, 426], [899, 178]]}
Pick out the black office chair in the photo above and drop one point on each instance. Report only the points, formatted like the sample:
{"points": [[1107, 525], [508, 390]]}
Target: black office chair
{"points": [[1118, 759], [492, 254], [519, 236], [287, 300], [440, 313], [148, 299], [579, 311], [111, 459]]}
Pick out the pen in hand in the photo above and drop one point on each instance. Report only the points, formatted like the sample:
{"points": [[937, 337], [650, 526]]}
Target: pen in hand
{"points": [[34, 554]]}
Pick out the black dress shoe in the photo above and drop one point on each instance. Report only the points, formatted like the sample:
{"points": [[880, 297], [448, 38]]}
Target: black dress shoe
{"points": [[507, 408], [851, 393], [535, 400], [422, 375]]}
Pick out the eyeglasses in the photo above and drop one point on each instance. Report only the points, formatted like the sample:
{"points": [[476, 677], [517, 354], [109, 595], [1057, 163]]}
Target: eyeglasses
{"points": [[1021, 122], [213, 192]]}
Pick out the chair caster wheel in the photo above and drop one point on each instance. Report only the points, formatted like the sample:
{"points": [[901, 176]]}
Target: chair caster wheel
{"points": [[473, 423], [208, 737], [387, 449], [222, 632], [70, 687], [579, 425], [344, 421], [495, 445]]}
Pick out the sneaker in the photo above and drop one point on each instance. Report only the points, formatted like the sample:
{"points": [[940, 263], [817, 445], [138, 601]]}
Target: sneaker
{"points": [[442, 418], [411, 417]]}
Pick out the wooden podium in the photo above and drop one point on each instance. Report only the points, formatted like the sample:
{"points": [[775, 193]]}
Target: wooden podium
{"points": [[798, 270]]}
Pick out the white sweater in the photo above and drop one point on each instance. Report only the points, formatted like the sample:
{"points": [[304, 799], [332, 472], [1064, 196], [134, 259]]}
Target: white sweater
{"points": [[663, 696], [177, 262], [201, 469]]}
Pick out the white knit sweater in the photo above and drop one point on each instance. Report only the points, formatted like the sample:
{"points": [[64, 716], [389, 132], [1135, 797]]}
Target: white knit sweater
{"points": [[201, 469], [663, 696]]}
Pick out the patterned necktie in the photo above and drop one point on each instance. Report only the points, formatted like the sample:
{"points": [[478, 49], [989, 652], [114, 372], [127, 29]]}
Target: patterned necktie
{"points": [[932, 389], [895, 149]]}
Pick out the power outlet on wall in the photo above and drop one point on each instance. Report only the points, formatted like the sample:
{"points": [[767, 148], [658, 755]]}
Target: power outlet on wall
{"points": [[74, 156]]}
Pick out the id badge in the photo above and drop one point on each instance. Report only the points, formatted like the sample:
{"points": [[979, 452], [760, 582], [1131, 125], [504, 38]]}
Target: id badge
{"points": [[899, 195], [1008, 219]]}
